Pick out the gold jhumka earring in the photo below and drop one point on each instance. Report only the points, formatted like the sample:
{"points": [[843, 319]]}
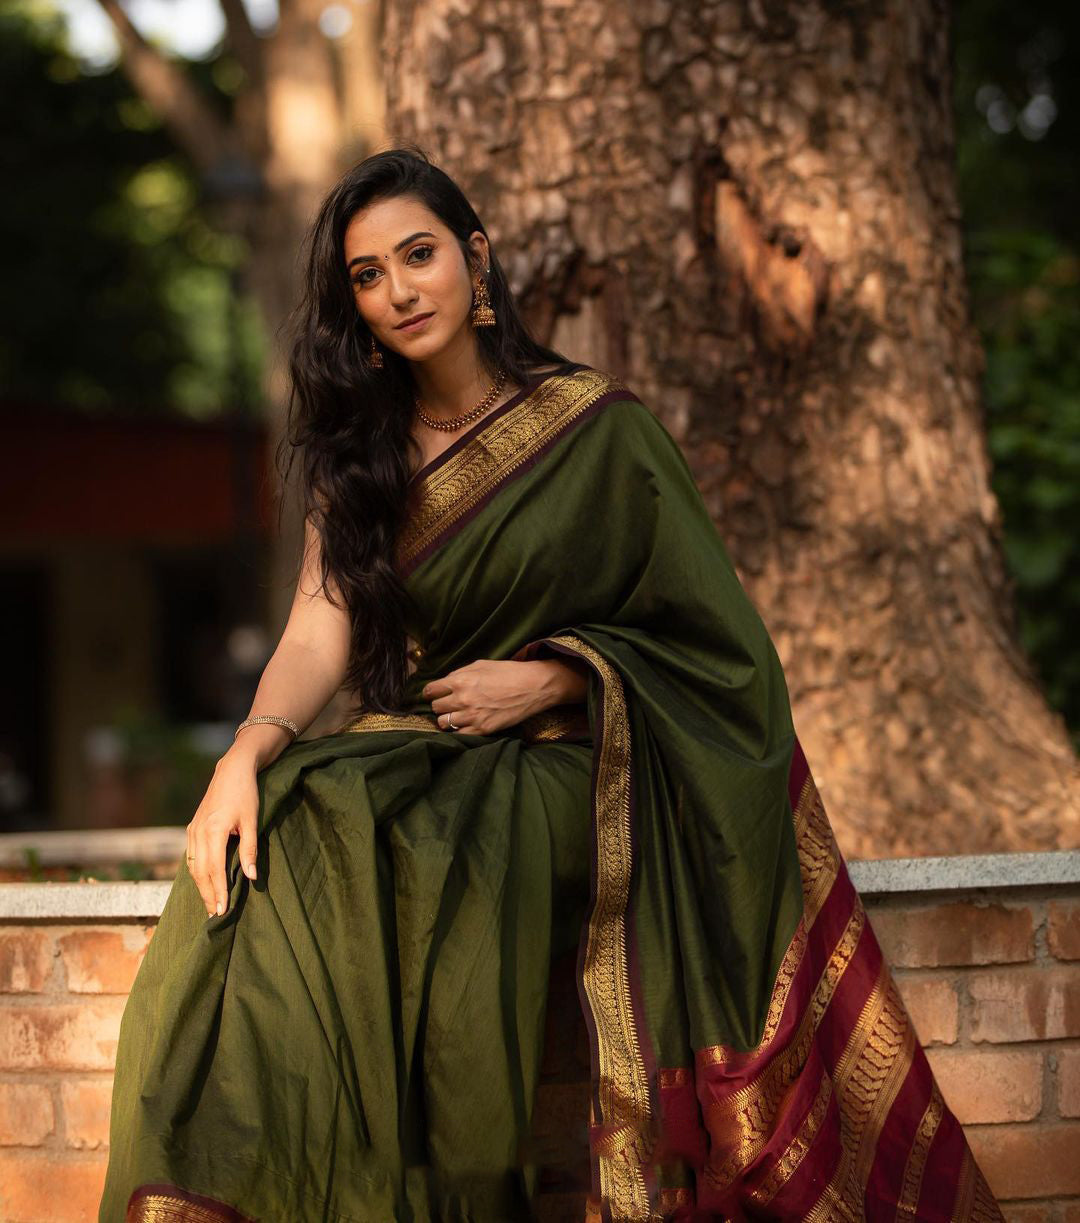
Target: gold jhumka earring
{"points": [[376, 356], [482, 313]]}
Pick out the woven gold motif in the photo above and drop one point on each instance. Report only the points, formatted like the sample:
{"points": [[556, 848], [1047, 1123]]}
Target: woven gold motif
{"points": [[741, 1123], [389, 721], [164, 1208], [974, 1201], [920, 1148], [795, 1152], [623, 1085], [867, 1079], [819, 856], [555, 724], [468, 477]]}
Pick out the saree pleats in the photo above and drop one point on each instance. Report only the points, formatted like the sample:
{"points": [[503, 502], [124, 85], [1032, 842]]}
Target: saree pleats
{"points": [[358, 1037]]}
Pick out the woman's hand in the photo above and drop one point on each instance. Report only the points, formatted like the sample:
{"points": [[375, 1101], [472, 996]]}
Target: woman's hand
{"points": [[230, 806], [491, 694]]}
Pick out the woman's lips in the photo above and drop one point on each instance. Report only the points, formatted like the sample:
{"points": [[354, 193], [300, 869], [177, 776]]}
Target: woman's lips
{"points": [[416, 325]]}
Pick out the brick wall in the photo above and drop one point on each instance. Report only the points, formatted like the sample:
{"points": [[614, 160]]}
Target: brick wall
{"points": [[993, 986], [986, 952]]}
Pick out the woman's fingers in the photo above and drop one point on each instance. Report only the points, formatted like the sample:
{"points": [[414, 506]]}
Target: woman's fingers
{"points": [[200, 872], [215, 865], [248, 843]]}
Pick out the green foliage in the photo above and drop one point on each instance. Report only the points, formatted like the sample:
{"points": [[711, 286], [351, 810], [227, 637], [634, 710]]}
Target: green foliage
{"points": [[1020, 194], [117, 291], [166, 762]]}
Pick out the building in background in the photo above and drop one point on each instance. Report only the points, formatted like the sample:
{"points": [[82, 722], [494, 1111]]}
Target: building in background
{"points": [[133, 555]]}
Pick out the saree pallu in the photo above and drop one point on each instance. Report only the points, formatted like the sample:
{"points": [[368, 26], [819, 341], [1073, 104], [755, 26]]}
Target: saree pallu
{"points": [[358, 1036]]}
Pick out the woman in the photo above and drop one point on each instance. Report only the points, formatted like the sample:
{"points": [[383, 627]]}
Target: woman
{"points": [[340, 1015]]}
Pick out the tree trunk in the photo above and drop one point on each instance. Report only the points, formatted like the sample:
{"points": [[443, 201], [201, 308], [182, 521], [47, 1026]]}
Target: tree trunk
{"points": [[310, 107], [749, 212]]}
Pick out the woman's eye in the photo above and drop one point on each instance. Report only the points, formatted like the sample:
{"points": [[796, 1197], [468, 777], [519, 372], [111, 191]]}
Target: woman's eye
{"points": [[359, 279]]}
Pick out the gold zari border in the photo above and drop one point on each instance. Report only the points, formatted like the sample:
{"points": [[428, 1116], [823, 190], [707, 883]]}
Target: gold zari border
{"points": [[549, 726], [867, 1080], [164, 1208], [389, 721], [623, 1086], [464, 480], [920, 1149]]}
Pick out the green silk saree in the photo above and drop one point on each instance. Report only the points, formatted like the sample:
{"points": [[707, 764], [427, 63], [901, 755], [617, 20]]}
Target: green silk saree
{"points": [[358, 1037]]}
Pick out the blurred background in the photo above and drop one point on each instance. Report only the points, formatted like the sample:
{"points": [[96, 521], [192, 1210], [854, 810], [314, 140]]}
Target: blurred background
{"points": [[149, 263]]}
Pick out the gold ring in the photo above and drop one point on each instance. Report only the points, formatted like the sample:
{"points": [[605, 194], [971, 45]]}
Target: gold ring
{"points": [[450, 721]]}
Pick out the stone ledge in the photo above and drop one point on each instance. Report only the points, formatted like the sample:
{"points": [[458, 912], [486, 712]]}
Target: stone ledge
{"points": [[965, 872], [877, 878], [108, 900]]}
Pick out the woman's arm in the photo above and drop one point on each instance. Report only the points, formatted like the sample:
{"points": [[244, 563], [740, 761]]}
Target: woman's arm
{"points": [[305, 670], [303, 673]]}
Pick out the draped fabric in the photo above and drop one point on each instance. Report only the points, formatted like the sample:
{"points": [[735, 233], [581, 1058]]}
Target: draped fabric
{"points": [[358, 1037]]}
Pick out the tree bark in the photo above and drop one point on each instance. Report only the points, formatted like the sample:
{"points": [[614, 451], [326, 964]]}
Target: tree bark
{"points": [[749, 212]]}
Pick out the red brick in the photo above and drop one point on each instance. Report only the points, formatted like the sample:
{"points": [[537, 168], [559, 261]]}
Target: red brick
{"points": [[1028, 1161], [1068, 1074], [85, 1104], [932, 1003], [990, 1084], [103, 961], [26, 960], [26, 1114], [959, 933], [62, 1037], [1063, 928], [36, 1189], [1025, 1004]]}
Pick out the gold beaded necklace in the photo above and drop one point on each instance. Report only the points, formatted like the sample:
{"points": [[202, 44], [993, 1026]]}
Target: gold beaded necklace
{"points": [[455, 422]]}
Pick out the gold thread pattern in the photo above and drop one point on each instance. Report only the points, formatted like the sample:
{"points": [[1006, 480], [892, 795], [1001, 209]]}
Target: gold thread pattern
{"points": [[740, 1124], [911, 1187], [867, 1079], [819, 856], [388, 721], [974, 1201], [623, 1087], [795, 1152], [555, 724], [465, 479], [672, 1199], [675, 1076], [165, 1208]]}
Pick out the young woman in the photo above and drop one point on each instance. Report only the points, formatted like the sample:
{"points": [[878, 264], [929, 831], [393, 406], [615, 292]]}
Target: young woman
{"points": [[574, 729]]}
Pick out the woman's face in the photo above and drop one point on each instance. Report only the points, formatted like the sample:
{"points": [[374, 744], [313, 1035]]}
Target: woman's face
{"points": [[402, 261]]}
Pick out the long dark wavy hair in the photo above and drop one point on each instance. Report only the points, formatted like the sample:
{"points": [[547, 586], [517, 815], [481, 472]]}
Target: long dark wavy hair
{"points": [[349, 422]]}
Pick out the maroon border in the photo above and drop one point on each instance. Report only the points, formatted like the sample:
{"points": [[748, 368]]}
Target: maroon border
{"points": [[537, 380], [463, 519], [221, 1210]]}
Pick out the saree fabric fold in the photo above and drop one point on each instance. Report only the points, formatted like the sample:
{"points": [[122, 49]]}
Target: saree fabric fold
{"points": [[358, 1037]]}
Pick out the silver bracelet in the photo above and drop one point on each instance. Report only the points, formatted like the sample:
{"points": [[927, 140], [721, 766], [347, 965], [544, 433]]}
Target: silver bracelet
{"points": [[285, 723]]}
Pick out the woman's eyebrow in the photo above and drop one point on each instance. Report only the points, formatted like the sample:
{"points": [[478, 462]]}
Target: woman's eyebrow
{"points": [[420, 233]]}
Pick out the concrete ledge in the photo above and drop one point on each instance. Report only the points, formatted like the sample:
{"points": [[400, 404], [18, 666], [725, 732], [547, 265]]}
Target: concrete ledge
{"points": [[48, 901], [963, 872]]}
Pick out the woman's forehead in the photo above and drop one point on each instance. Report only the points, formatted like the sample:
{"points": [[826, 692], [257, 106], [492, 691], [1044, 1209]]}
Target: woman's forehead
{"points": [[383, 224]]}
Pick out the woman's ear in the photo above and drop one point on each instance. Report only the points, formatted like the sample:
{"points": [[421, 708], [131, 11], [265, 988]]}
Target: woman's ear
{"points": [[479, 254]]}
